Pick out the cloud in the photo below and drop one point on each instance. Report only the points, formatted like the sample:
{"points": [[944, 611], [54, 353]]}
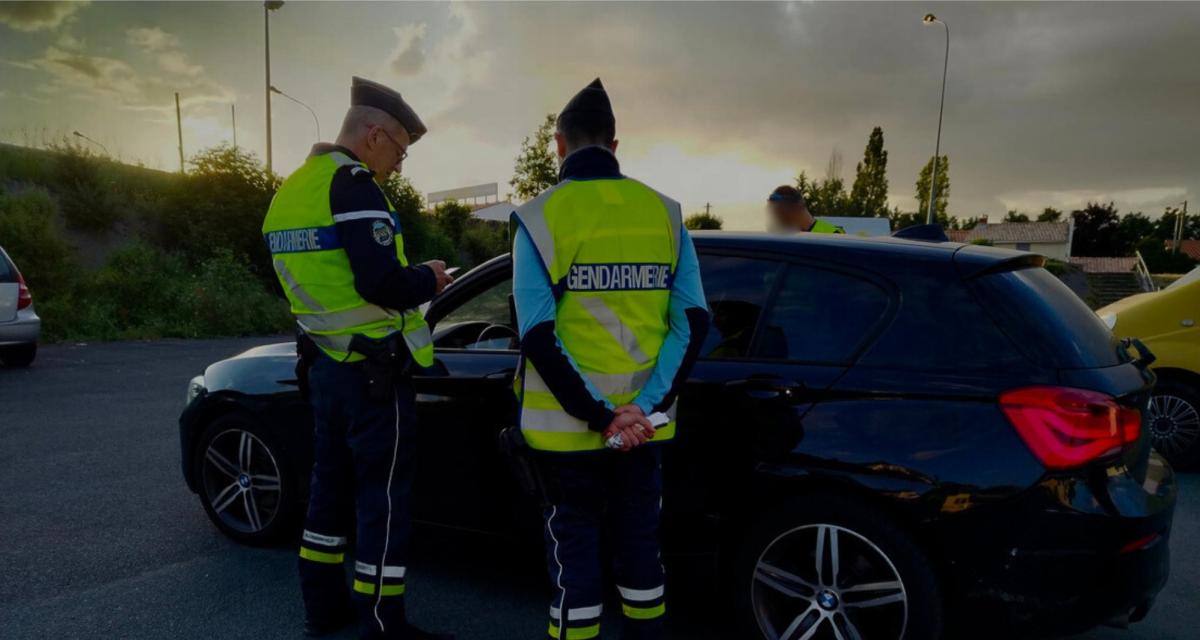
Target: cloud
{"points": [[1048, 98], [408, 57], [151, 39], [36, 16], [67, 40], [116, 81]]}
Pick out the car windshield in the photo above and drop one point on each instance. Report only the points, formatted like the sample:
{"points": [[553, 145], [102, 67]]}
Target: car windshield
{"points": [[1187, 278]]}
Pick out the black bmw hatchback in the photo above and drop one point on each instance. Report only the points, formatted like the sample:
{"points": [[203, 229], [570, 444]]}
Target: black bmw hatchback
{"points": [[880, 433]]}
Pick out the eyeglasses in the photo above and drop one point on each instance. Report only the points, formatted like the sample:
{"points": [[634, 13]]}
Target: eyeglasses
{"points": [[403, 150]]}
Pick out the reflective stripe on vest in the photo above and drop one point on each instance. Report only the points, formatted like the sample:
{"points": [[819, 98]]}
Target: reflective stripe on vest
{"points": [[610, 248], [300, 231]]}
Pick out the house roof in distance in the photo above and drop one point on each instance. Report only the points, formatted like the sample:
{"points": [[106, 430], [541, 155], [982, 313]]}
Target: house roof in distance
{"points": [[1013, 232], [1189, 247]]}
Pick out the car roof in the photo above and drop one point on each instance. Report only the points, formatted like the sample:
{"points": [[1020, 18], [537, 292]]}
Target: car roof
{"points": [[862, 250], [828, 246]]}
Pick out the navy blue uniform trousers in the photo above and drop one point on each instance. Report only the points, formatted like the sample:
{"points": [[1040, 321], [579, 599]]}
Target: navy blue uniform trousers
{"points": [[605, 491], [362, 469]]}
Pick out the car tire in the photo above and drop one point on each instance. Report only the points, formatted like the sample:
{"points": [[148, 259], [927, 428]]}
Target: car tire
{"points": [[884, 587], [246, 481], [1173, 420], [21, 355]]}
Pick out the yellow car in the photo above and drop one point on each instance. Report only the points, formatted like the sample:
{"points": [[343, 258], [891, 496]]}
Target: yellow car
{"points": [[1168, 322]]}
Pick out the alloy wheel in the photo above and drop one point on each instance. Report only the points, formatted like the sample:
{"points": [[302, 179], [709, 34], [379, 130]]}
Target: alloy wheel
{"points": [[1174, 423], [241, 481], [824, 581]]}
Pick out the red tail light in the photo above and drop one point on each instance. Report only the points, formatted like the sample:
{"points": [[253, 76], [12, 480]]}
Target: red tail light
{"points": [[1067, 427], [24, 298]]}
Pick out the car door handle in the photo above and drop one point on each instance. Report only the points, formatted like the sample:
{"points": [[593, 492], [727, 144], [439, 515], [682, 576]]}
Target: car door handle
{"points": [[505, 374], [767, 388]]}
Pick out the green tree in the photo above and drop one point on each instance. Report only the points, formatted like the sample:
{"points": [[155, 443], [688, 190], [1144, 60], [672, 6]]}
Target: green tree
{"points": [[1050, 214], [423, 238], [1165, 227], [1132, 230], [537, 168], [703, 220], [1015, 216], [452, 218], [943, 187], [868, 196], [1097, 231]]}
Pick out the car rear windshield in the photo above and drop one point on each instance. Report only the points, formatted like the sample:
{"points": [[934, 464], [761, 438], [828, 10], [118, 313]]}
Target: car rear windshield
{"points": [[8, 273], [1047, 321]]}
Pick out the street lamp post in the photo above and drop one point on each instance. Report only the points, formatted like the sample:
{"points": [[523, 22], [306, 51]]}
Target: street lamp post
{"points": [[80, 135], [310, 110], [937, 150], [268, 7]]}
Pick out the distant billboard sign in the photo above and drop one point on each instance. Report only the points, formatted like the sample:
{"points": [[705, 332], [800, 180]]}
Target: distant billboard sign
{"points": [[490, 190]]}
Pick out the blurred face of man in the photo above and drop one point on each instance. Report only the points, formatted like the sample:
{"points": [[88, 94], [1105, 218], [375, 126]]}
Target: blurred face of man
{"points": [[785, 216], [386, 149]]}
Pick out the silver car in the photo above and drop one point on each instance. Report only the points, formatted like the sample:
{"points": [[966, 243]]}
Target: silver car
{"points": [[20, 326]]}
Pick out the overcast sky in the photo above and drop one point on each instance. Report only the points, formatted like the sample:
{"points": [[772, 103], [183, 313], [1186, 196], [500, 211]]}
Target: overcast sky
{"points": [[1048, 104]]}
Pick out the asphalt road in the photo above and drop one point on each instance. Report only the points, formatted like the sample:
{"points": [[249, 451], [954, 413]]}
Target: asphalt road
{"points": [[99, 537]]}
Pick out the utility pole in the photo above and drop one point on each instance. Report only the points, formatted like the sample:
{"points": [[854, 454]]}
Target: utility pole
{"points": [[1180, 221], [268, 7], [233, 116], [179, 130], [707, 208]]}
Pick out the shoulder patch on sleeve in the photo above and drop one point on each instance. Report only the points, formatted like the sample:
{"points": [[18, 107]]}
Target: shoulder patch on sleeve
{"points": [[382, 232]]}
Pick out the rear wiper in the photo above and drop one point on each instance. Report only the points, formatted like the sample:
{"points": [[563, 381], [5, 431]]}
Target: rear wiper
{"points": [[1145, 356]]}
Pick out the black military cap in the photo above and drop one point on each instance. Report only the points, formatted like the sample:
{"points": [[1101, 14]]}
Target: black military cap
{"points": [[591, 101], [366, 93]]}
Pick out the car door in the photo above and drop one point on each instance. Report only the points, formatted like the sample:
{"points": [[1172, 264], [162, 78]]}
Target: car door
{"points": [[464, 402], [783, 331]]}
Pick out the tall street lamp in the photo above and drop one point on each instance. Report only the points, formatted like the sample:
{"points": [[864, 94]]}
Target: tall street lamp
{"points": [[310, 110], [937, 150], [268, 7]]}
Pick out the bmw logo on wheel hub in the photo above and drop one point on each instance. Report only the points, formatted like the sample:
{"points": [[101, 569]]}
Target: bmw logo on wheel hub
{"points": [[827, 600]]}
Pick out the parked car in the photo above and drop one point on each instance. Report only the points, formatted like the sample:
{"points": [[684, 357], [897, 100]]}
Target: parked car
{"points": [[1168, 322], [879, 433], [20, 326]]}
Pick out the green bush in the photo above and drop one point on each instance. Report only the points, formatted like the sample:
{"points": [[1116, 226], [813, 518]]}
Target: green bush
{"points": [[142, 292], [226, 299], [84, 193], [483, 241], [31, 236], [219, 206]]}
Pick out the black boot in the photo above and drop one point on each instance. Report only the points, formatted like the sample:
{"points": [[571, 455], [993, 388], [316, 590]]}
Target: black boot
{"points": [[316, 628]]}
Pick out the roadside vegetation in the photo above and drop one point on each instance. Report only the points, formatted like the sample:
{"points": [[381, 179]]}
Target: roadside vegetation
{"points": [[113, 251]]}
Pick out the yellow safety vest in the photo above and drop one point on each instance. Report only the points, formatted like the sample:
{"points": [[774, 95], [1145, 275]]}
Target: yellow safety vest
{"points": [[820, 226], [315, 271], [610, 248]]}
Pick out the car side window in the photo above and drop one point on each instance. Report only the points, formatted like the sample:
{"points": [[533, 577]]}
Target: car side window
{"points": [[482, 322], [737, 289], [7, 273], [820, 316]]}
